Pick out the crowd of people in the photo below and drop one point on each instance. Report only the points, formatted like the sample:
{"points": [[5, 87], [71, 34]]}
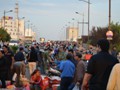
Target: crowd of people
{"points": [[87, 68]]}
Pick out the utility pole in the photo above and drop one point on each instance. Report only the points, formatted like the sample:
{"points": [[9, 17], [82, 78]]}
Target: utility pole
{"points": [[109, 15], [88, 16]]}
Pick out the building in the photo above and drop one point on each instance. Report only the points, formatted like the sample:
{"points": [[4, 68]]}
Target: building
{"points": [[71, 33], [16, 28]]}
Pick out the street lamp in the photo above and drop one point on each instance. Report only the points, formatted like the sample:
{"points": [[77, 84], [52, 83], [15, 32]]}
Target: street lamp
{"points": [[109, 14], [19, 25], [82, 22], [28, 26], [109, 33], [73, 30], [88, 15], [4, 15], [31, 28]]}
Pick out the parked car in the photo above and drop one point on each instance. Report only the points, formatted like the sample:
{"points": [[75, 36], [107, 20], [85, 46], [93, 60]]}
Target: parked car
{"points": [[14, 43]]}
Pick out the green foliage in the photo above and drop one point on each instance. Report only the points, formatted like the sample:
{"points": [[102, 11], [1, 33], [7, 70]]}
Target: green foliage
{"points": [[97, 33], [4, 36], [14, 48], [100, 32]]}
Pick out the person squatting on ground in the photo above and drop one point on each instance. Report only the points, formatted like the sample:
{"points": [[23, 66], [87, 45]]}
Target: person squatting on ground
{"points": [[36, 80], [19, 69]]}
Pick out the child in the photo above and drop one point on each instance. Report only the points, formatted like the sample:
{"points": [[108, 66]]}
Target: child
{"points": [[36, 80]]}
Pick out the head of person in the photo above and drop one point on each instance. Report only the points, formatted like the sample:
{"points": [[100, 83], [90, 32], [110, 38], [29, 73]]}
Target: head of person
{"points": [[70, 51], [69, 56], [60, 49], [36, 72], [77, 56], [21, 49], [103, 45], [5, 48], [35, 45], [32, 48]]}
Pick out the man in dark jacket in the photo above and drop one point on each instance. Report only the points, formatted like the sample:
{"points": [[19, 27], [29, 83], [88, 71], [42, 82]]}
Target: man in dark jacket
{"points": [[99, 67], [3, 69]]}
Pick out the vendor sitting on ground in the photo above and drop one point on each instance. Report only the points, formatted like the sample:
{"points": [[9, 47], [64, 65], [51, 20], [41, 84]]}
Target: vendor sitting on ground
{"points": [[36, 80]]}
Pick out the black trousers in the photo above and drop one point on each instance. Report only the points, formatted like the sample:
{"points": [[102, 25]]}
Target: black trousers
{"points": [[3, 76], [65, 83]]}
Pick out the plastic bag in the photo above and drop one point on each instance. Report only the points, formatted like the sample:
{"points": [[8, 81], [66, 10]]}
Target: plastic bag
{"points": [[76, 88]]}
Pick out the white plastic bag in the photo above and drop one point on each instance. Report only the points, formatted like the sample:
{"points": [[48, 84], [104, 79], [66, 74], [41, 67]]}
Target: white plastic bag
{"points": [[14, 77], [76, 88]]}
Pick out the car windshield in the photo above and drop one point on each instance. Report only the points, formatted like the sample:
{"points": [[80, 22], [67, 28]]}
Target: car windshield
{"points": [[13, 41]]}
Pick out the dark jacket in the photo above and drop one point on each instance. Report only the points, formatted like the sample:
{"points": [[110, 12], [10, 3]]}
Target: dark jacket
{"points": [[19, 56], [3, 64]]}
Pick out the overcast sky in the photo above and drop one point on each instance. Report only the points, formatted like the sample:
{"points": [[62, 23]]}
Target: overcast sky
{"points": [[50, 17]]}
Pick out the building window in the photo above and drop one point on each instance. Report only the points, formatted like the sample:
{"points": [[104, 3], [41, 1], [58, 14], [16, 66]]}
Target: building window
{"points": [[11, 29], [13, 33]]}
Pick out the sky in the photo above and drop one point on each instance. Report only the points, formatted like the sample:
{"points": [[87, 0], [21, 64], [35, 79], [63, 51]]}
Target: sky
{"points": [[49, 18]]}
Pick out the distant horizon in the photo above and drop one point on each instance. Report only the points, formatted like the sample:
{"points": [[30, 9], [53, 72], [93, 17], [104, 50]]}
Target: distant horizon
{"points": [[50, 17]]}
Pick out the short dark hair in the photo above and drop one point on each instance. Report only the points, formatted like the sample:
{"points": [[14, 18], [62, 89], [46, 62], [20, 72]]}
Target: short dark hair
{"points": [[21, 48], [104, 44], [69, 56], [70, 50], [5, 46], [78, 54]]}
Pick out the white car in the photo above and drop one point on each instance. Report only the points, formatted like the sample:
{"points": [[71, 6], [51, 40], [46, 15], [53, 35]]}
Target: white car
{"points": [[13, 43]]}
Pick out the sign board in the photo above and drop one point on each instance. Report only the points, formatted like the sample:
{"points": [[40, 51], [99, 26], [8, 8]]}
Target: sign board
{"points": [[42, 39], [109, 35]]}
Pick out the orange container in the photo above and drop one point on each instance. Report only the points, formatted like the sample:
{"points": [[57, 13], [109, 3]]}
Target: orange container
{"points": [[45, 83], [55, 86]]}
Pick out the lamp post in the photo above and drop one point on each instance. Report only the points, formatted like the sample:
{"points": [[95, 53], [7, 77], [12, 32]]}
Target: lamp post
{"points": [[4, 15], [109, 14], [19, 25], [88, 16], [82, 22], [109, 33], [24, 27], [31, 29], [67, 34], [28, 26], [73, 30]]}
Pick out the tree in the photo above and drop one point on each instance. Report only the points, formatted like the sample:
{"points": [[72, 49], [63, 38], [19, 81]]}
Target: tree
{"points": [[97, 33], [100, 32], [4, 36]]}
